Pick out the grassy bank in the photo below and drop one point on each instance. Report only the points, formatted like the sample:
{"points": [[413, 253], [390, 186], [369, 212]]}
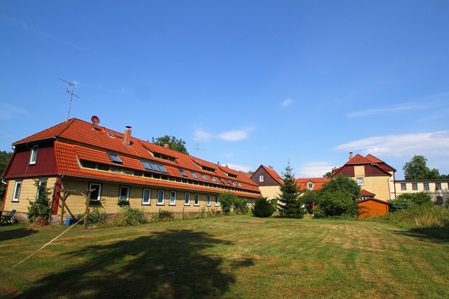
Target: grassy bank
{"points": [[226, 257]]}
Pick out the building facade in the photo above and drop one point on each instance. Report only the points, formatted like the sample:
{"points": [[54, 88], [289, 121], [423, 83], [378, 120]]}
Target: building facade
{"points": [[437, 189], [87, 164]]}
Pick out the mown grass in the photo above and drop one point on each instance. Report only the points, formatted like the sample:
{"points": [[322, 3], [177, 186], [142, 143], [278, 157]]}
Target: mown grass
{"points": [[225, 257]]}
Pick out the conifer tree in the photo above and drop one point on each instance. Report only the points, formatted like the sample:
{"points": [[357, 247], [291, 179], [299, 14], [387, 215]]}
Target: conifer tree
{"points": [[289, 205]]}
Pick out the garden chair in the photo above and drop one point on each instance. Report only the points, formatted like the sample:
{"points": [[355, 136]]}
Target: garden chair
{"points": [[8, 218]]}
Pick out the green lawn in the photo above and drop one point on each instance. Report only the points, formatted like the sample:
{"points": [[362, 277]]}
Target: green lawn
{"points": [[225, 257]]}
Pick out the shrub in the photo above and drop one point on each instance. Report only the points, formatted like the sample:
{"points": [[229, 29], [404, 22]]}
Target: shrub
{"points": [[129, 216], [239, 206], [338, 203], [399, 204], [96, 216], [165, 215], [39, 209], [227, 200], [262, 208], [419, 217]]}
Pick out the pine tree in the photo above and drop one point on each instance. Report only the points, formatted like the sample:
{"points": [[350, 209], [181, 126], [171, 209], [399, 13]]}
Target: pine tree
{"points": [[289, 204]]}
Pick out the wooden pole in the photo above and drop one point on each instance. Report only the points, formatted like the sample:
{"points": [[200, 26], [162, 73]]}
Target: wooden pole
{"points": [[87, 197], [63, 198]]}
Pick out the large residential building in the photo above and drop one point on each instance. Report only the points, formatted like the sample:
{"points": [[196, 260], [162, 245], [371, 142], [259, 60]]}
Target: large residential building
{"points": [[268, 180], [375, 177], [84, 163], [437, 189]]}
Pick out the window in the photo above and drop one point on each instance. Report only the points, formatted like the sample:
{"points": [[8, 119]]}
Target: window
{"points": [[42, 187], [208, 201], [146, 197], [182, 172], [160, 197], [124, 193], [197, 199], [115, 158], [194, 175], [213, 179], [95, 191], [437, 186], [426, 186], [414, 186], [440, 200], [310, 186], [187, 199], [360, 181], [33, 156], [17, 188], [261, 178], [216, 201], [204, 177], [403, 186], [172, 198]]}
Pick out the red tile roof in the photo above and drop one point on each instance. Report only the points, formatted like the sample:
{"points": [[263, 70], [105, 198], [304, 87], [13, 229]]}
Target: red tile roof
{"points": [[77, 141], [317, 183]]}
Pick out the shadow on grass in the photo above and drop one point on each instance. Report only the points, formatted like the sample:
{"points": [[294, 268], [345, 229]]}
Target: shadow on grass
{"points": [[435, 234], [16, 233], [168, 264]]}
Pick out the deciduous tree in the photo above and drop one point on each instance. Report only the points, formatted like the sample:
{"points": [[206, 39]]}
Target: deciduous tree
{"points": [[174, 143]]}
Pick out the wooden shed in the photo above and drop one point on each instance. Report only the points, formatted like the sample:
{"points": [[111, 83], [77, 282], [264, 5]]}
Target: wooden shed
{"points": [[372, 207]]}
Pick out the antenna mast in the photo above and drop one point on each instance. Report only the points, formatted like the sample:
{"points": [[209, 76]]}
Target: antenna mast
{"points": [[69, 91]]}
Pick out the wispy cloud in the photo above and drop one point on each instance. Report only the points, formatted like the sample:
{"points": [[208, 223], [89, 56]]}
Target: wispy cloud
{"points": [[233, 135], [201, 135], [435, 144], [387, 109], [313, 170], [8, 111], [287, 102], [24, 25]]}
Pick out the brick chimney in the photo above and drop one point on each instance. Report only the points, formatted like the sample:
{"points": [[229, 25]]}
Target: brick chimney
{"points": [[350, 155], [166, 145], [127, 136]]}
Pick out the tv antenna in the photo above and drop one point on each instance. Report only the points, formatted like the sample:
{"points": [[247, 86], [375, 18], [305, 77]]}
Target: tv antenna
{"points": [[197, 147], [69, 91]]}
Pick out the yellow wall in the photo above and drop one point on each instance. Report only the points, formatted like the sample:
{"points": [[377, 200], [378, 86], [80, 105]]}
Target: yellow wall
{"points": [[270, 192], [28, 192]]}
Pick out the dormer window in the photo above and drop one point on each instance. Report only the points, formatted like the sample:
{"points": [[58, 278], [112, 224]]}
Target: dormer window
{"points": [[261, 178], [115, 158], [33, 156]]}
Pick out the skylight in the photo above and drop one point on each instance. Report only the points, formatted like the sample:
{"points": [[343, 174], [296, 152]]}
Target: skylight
{"points": [[153, 166], [194, 175], [182, 172], [204, 177], [115, 158]]}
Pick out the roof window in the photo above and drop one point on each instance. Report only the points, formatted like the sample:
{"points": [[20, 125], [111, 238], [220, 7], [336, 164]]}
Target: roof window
{"points": [[115, 158], [182, 172]]}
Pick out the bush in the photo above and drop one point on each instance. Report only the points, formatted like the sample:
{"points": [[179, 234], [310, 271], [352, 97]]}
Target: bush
{"points": [[399, 204], [338, 203], [419, 217], [165, 215], [262, 208], [129, 216], [96, 216], [239, 206], [40, 207]]}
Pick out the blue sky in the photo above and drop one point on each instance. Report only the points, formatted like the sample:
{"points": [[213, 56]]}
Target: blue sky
{"points": [[244, 83]]}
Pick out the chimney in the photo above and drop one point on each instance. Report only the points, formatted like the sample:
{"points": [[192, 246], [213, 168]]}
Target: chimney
{"points": [[166, 145], [127, 136], [350, 155]]}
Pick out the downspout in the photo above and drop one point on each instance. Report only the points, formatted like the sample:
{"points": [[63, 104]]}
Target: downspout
{"points": [[53, 197]]}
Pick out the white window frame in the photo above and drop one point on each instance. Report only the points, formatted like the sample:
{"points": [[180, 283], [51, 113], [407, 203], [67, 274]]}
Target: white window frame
{"points": [[197, 199], [160, 197], [217, 203], [173, 198], [42, 181], [261, 178], [209, 200], [99, 191], [17, 189], [128, 192], [360, 181], [33, 155], [146, 201], [187, 199]]}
